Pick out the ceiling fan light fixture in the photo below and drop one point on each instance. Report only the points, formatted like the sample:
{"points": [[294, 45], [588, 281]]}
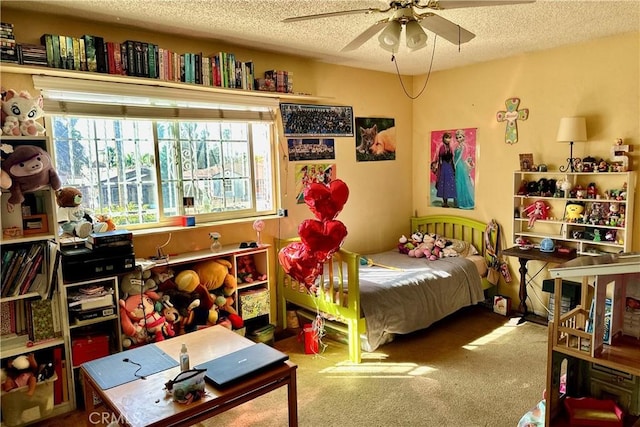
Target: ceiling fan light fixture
{"points": [[389, 38], [416, 37]]}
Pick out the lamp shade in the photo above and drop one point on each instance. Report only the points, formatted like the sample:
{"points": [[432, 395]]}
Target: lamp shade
{"points": [[416, 37], [572, 129], [389, 38]]}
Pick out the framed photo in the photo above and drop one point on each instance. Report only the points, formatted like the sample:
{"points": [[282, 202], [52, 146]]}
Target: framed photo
{"points": [[301, 120], [526, 162], [308, 173], [311, 149], [375, 139]]}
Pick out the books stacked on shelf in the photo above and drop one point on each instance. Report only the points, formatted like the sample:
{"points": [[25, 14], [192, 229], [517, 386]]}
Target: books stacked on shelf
{"points": [[32, 54], [21, 269], [276, 81], [91, 302], [8, 51]]}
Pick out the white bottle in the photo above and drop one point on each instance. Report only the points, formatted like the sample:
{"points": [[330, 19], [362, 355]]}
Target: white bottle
{"points": [[184, 358]]}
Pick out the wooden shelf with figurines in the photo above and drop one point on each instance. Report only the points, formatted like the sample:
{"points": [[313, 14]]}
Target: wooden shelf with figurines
{"points": [[589, 211]]}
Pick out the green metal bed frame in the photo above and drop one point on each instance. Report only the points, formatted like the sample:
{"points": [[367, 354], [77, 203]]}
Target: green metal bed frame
{"points": [[342, 305]]}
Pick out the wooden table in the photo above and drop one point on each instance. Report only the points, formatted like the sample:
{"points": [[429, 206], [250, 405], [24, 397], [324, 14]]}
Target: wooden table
{"points": [[534, 254], [146, 403]]}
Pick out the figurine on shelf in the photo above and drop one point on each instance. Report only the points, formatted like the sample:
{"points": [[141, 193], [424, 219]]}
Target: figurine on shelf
{"points": [[537, 210]]}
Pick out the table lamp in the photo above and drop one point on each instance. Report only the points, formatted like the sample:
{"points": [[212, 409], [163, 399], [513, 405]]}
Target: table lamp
{"points": [[571, 129]]}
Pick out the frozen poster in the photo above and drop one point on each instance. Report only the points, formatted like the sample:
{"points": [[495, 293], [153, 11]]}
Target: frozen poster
{"points": [[453, 168]]}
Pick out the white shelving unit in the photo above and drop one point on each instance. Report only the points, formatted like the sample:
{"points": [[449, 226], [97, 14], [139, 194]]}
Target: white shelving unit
{"points": [[615, 234], [18, 342]]}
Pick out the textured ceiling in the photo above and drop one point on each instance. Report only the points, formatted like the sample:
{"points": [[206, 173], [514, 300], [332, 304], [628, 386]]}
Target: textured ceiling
{"points": [[501, 31]]}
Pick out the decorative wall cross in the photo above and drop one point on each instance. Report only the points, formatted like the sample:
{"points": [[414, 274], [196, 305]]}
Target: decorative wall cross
{"points": [[510, 116]]}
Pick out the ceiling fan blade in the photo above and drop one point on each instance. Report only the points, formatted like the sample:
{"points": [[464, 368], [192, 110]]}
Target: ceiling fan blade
{"points": [[445, 28], [331, 14], [365, 35], [457, 4]]}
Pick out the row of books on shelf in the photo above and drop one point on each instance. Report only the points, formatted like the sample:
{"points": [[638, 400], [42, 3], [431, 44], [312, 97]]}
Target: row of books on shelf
{"points": [[35, 320], [22, 271], [143, 59]]}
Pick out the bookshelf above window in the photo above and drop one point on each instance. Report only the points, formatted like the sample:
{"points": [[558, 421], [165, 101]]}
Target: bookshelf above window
{"points": [[102, 77]]}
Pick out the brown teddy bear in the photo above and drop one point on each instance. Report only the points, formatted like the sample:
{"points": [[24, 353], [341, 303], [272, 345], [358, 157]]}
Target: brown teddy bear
{"points": [[74, 220]]}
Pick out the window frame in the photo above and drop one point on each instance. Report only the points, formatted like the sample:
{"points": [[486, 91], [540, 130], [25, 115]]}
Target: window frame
{"points": [[190, 107]]}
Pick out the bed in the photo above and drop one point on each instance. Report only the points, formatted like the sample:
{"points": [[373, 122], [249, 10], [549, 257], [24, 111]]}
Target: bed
{"points": [[370, 303]]}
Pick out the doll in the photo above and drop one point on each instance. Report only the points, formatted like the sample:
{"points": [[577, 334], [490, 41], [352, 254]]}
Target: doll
{"points": [[537, 210]]}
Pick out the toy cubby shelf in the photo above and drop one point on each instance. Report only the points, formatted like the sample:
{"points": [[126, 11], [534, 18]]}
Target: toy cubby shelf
{"points": [[614, 234]]}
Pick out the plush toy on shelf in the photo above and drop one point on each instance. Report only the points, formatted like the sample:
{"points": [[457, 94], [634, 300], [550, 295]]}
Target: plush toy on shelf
{"points": [[215, 276], [247, 270], [537, 210], [21, 371], [20, 112], [73, 219], [30, 169], [140, 321]]}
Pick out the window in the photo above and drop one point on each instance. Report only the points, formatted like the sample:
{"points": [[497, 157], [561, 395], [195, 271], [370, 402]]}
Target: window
{"points": [[145, 165]]}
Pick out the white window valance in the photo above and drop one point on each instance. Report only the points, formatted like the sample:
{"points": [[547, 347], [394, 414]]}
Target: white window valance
{"points": [[80, 97]]}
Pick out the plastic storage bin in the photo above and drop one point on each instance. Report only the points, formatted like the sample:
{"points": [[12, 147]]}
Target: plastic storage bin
{"points": [[18, 408]]}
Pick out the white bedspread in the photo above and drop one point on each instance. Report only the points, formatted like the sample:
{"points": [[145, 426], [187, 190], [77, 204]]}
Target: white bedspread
{"points": [[399, 302]]}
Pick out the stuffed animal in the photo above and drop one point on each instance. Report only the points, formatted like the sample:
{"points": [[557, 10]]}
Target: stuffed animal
{"points": [[405, 245], [5, 178], [573, 212], [30, 169], [20, 112], [107, 220], [214, 274], [136, 283], [247, 270], [21, 371], [73, 219], [425, 248], [190, 282], [140, 321], [438, 247]]}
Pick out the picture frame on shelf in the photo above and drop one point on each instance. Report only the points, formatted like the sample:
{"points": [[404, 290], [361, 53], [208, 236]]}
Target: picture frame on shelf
{"points": [[526, 162]]}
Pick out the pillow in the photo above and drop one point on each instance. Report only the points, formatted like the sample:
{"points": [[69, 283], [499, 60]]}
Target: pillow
{"points": [[464, 249]]}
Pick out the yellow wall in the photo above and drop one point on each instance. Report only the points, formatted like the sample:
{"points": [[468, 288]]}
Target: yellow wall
{"points": [[599, 80]]}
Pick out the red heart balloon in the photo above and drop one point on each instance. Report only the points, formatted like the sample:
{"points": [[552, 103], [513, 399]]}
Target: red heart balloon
{"points": [[299, 263], [322, 238], [326, 201]]}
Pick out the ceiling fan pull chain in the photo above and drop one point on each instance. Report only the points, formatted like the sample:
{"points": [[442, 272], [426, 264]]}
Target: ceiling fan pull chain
{"points": [[393, 59]]}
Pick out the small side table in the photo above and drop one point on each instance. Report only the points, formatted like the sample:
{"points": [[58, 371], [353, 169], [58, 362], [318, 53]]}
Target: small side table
{"points": [[525, 256]]}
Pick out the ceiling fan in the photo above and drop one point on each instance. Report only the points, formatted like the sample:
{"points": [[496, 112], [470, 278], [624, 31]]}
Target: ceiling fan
{"points": [[406, 13]]}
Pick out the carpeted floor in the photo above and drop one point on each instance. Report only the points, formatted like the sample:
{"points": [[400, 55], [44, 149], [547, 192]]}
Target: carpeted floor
{"points": [[475, 368]]}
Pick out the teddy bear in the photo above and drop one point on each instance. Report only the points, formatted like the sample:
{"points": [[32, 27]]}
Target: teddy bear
{"points": [[73, 219], [21, 371], [140, 321], [20, 112], [214, 275], [30, 169]]}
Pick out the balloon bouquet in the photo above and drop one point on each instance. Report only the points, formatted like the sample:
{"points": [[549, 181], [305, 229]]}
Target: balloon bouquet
{"points": [[320, 238]]}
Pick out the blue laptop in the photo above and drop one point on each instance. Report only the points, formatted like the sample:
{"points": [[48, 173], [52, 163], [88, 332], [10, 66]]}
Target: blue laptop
{"points": [[232, 367]]}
